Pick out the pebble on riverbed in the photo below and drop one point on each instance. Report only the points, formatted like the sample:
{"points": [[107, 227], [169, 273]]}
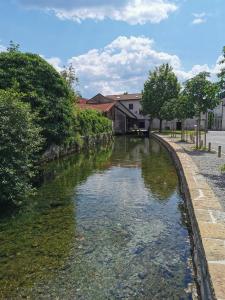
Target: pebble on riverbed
{"points": [[143, 275]]}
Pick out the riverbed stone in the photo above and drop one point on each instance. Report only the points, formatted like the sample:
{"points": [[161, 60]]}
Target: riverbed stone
{"points": [[143, 275]]}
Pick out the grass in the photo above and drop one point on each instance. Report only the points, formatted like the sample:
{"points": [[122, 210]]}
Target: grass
{"points": [[222, 169], [167, 132]]}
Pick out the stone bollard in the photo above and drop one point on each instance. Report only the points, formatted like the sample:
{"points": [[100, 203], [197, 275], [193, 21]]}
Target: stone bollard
{"points": [[209, 147], [219, 151]]}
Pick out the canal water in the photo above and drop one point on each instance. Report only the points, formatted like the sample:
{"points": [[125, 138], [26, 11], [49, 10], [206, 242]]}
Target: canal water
{"points": [[108, 224]]}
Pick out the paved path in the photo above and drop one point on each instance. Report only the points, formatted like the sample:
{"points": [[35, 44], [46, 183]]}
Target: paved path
{"points": [[209, 164], [217, 138]]}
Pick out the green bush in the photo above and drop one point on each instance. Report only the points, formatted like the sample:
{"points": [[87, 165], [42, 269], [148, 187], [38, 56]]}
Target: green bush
{"points": [[43, 87], [19, 146], [92, 122]]}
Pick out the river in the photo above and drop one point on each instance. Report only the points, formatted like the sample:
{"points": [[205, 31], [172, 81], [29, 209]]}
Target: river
{"points": [[108, 224]]}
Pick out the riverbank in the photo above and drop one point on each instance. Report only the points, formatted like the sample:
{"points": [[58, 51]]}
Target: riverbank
{"points": [[85, 142], [207, 218]]}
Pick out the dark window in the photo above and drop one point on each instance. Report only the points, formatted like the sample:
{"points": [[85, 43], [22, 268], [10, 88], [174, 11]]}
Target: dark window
{"points": [[131, 106], [178, 126], [142, 124]]}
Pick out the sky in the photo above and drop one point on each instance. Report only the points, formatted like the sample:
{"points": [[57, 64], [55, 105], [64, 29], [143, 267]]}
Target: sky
{"points": [[114, 44]]}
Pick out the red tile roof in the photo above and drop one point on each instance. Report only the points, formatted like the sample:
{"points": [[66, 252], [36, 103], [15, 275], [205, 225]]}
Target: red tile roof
{"points": [[82, 100], [104, 107]]}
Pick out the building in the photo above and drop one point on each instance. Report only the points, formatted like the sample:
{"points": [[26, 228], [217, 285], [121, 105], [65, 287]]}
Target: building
{"points": [[125, 111], [133, 103], [216, 120], [123, 119]]}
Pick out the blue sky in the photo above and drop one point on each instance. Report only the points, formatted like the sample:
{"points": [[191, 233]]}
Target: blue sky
{"points": [[113, 44]]}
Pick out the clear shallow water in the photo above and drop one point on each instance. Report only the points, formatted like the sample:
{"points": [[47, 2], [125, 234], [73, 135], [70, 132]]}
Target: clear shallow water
{"points": [[107, 225]]}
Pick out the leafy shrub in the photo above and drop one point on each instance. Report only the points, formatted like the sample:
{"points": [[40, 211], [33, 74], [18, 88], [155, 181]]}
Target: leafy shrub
{"points": [[19, 145], [43, 87], [92, 122]]}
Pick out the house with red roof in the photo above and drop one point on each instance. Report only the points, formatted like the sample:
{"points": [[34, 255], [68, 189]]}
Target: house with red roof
{"points": [[123, 119]]}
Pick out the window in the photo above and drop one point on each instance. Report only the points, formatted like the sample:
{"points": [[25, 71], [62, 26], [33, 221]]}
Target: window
{"points": [[142, 124], [131, 106]]}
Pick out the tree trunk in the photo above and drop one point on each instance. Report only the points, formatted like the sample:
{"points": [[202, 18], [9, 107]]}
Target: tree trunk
{"points": [[150, 126], [199, 133], [206, 128], [182, 131], [198, 137], [160, 125]]}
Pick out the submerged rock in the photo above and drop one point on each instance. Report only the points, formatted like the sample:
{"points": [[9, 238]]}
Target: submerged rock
{"points": [[138, 249], [143, 275]]}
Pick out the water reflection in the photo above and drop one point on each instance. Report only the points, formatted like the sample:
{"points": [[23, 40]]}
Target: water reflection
{"points": [[159, 173], [104, 225]]}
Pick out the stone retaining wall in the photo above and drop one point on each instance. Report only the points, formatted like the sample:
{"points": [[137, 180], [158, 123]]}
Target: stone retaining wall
{"points": [[88, 142], [207, 222]]}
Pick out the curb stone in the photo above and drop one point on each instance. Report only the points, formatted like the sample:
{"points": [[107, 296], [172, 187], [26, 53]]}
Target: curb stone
{"points": [[207, 220]]}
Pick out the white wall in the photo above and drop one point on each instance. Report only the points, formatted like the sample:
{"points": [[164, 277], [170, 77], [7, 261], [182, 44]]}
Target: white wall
{"points": [[137, 108]]}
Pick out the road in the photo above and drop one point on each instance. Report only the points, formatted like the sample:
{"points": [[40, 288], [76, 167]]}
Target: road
{"points": [[217, 138]]}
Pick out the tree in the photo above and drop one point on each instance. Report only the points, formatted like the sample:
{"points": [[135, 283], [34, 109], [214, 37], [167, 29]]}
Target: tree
{"points": [[180, 108], [69, 74], [13, 47], [20, 143], [221, 75], [203, 95], [44, 88], [161, 86]]}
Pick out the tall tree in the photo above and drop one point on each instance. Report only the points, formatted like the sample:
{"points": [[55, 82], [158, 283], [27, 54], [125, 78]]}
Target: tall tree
{"points": [[69, 74], [221, 74], [203, 95], [181, 108], [44, 88], [161, 86]]}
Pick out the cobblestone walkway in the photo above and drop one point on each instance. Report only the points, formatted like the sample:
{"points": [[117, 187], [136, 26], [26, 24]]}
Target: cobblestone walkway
{"points": [[217, 138], [210, 167]]}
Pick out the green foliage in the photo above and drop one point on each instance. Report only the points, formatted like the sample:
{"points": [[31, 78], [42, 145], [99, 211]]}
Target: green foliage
{"points": [[161, 86], [19, 144], [222, 169], [69, 74], [180, 108], [92, 122], [221, 75], [13, 47], [168, 110], [201, 93], [44, 88]]}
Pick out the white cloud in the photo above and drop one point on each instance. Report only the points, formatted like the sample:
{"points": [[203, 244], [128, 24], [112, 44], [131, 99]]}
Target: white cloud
{"points": [[123, 65], [120, 66], [130, 11], [56, 63], [2, 48], [199, 18]]}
